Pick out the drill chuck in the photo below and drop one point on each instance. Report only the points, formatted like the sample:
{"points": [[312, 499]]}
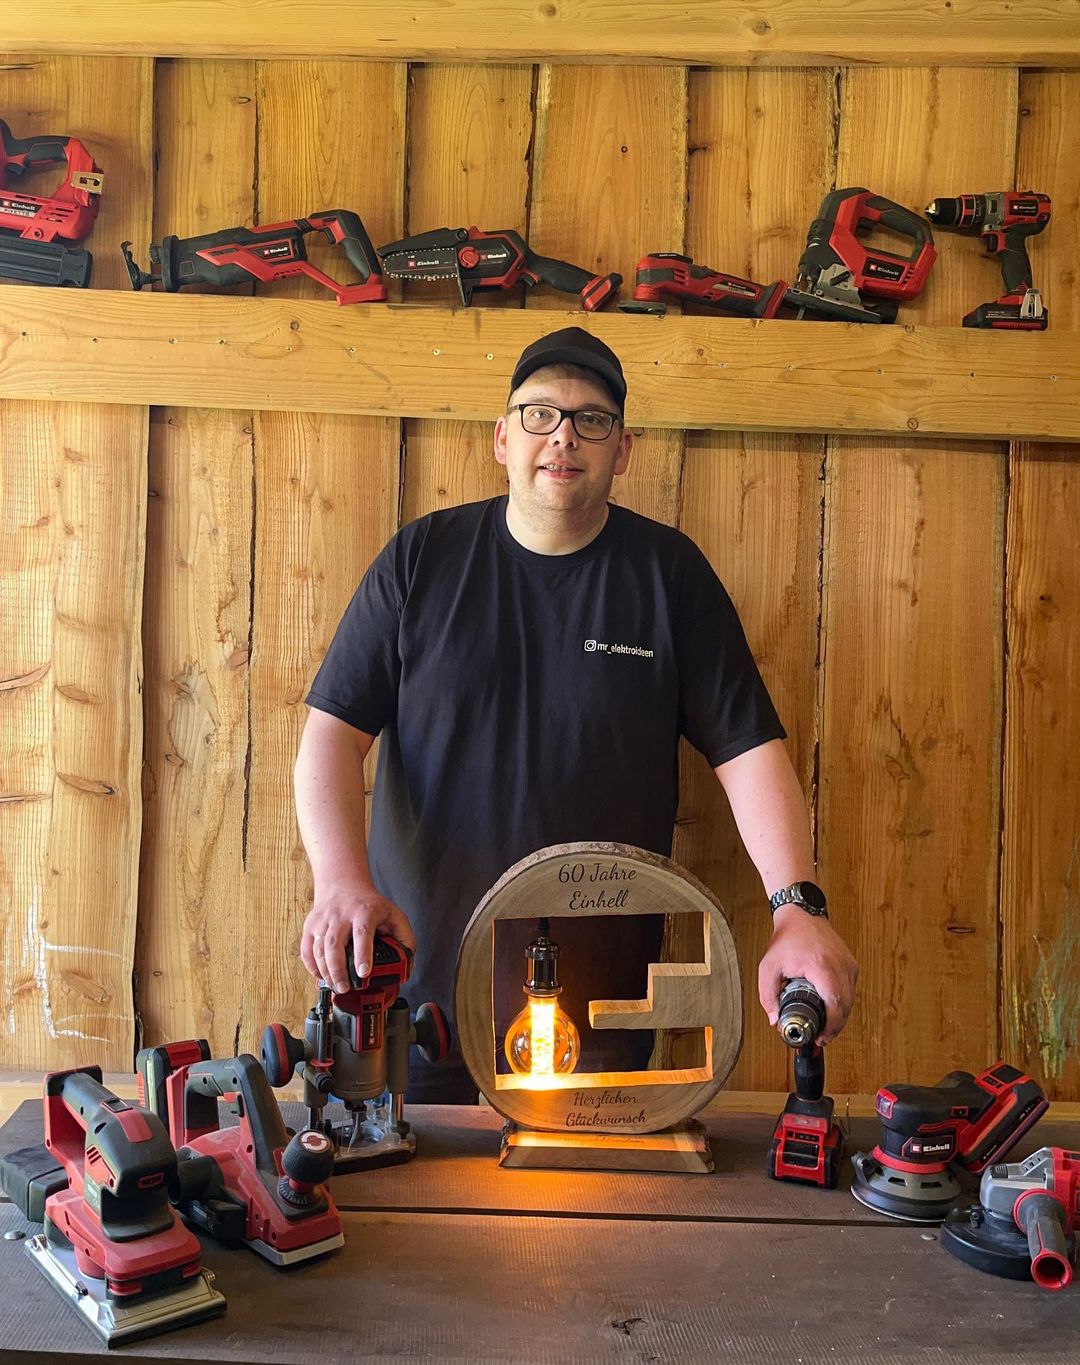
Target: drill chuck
{"points": [[802, 1013], [947, 212]]}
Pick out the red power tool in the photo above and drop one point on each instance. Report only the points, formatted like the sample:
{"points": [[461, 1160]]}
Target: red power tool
{"points": [[274, 251], [112, 1245], [248, 1184], [667, 275], [1025, 1222], [481, 261], [807, 1145], [355, 1049], [837, 273], [1005, 220], [932, 1132], [837, 270], [33, 230]]}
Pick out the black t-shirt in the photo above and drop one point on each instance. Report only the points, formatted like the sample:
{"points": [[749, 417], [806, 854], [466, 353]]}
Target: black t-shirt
{"points": [[524, 700]]}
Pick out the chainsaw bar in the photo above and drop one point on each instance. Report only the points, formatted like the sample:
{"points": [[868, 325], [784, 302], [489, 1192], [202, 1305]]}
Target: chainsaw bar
{"points": [[441, 264]]}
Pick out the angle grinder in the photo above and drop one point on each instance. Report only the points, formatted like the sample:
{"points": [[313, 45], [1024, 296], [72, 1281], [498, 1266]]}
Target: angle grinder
{"points": [[932, 1133], [1024, 1225]]}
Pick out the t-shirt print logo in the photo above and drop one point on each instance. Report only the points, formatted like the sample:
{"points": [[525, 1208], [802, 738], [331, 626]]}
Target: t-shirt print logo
{"points": [[599, 647]]}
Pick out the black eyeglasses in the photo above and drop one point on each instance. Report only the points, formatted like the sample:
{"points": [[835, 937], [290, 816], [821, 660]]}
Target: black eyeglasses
{"points": [[541, 419]]}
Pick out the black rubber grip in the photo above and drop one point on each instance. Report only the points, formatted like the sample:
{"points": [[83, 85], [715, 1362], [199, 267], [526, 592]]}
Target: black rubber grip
{"points": [[44, 262], [559, 274], [34, 151], [1015, 264]]}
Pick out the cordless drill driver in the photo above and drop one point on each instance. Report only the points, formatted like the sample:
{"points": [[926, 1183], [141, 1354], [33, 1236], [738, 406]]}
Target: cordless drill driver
{"points": [[807, 1146], [1005, 220]]}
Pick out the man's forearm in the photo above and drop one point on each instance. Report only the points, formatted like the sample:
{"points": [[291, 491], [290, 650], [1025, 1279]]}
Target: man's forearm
{"points": [[328, 781], [770, 814]]}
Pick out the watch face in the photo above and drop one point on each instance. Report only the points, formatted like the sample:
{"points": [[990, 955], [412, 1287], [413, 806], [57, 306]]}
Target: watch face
{"points": [[811, 894]]}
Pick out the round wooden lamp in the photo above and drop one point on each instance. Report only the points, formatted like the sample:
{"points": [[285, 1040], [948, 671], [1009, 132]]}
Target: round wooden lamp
{"points": [[605, 1119]]}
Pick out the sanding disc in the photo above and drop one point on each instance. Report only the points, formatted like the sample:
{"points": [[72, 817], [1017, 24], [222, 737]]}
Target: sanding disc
{"points": [[900, 1194]]}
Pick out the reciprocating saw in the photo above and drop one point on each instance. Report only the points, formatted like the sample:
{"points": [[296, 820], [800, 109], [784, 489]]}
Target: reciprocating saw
{"points": [[35, 231], [1004, 219], [274, 251]]}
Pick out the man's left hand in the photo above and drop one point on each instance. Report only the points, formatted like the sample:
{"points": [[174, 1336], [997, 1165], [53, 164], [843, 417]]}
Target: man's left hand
{"points": [[808, 945]]}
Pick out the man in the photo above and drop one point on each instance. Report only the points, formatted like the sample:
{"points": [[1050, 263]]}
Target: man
{"points": [[530, 663]]}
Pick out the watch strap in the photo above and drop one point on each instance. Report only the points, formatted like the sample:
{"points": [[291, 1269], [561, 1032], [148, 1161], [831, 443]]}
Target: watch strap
{"points": [[795, 895]]}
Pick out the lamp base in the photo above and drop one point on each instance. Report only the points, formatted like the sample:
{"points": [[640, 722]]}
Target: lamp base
{"points": [[684, 1148]]}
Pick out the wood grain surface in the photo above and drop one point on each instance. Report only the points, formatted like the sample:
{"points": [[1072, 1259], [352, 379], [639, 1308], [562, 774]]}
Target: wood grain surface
{"points": [[470, 131], [72, 540], [197, 603], [911, 628], [318, 522], [471, 1287], [751, 501], [276, 354], [1040, 863], [771, 33]]}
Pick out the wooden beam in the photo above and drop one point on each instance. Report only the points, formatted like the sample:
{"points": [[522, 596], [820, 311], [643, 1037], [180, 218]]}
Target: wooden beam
{"points": [[400, 360], [709, 32]]}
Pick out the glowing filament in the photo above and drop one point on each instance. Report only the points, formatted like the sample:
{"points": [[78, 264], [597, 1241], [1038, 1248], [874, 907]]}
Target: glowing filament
{"points": [[542, 1024]]}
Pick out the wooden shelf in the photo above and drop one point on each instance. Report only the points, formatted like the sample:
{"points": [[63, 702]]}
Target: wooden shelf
{"points": [[708, 32], [413, 361]]}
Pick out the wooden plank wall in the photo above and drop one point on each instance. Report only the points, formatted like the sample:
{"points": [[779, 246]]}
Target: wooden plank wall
{"points": [[915, 606], [72, 531]]}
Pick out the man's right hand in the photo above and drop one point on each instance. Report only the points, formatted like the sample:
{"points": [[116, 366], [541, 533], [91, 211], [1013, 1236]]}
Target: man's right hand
{"points": [[343, 913]]}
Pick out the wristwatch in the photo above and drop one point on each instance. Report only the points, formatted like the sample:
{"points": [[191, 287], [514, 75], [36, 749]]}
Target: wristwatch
{"points": [[805, 895]]}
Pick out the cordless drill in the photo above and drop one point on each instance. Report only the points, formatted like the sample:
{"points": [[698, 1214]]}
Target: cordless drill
{"points": [[1005, 219], [807, 1146]]}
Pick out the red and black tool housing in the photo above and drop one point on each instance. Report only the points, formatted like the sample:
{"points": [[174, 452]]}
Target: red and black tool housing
{"points": [[69, 212], [807, 1145], [966, 1121], [249, 1182], [666, 275], [481, 260], [269, 252], [834, 241], [115, 1211]]}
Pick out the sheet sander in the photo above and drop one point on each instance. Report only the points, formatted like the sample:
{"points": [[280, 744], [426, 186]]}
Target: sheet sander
{"points": [[112, 1245], [931, 1135]]}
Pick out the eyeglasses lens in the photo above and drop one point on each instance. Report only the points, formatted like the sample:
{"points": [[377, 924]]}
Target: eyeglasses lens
{"points": [[590, 424]]}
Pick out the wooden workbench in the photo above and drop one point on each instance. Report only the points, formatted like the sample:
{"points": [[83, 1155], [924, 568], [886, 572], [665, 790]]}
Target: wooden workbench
{"points": [[453, 1258]]}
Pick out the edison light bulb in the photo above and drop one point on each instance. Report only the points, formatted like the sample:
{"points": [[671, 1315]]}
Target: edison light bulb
{"points": [[543, 1040]]}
